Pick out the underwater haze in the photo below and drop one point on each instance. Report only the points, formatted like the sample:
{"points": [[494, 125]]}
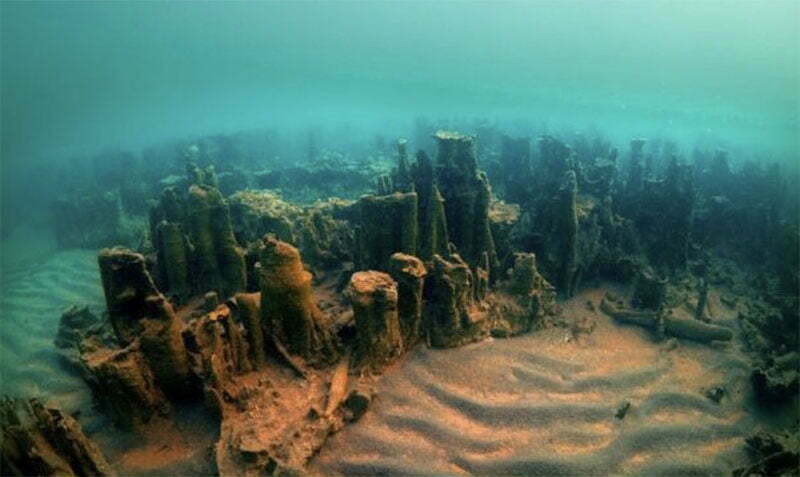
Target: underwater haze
{"points": [[78, 77], [390, 238]]}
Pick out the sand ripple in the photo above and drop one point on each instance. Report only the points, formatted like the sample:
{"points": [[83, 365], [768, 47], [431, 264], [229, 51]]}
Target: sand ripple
{"points": [[539, 405], [34, 294]]}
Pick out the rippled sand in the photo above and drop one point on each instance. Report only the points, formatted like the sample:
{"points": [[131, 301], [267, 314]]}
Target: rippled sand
{"points": [[36, 289], [544, 404], [539, 404]]}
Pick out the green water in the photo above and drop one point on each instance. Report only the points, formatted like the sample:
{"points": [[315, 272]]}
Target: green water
{"points": [[91, 74], [78, 77]]}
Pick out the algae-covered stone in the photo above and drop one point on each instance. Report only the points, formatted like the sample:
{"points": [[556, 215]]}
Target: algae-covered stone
{"points": [[373, 296], [451, 315], [409, 272], [387, 224], [290, 315], [123, 384], [41, 440], [217, 258]]}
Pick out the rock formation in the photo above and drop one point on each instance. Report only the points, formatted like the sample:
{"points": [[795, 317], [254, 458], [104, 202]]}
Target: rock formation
{"points": [[123, 384], [432, 207], [248, 308], [466, 194], [524, 299], [193, 237], [388, 224], [373, 296], [515, 174], [223, 309], [322, 231], [571, 222], [138, 311], [433, 233], [291, 318], [76, 322], [217, 257], [409, 272], [452, 315], [39, 440]]}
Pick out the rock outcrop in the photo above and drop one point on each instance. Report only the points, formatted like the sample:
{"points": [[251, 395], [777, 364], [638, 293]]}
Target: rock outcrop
{"points": [[373, 296], [40, 440], [388, 224], [524, 300], [409, 272], [291, 317], [467, 193], [193, 237], [452, 315], [139, 312], [123, 384]]}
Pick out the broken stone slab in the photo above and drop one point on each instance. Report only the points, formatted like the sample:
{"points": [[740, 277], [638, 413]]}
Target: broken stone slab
{"points": [[218, 352], [678, 327], [338, 386]]}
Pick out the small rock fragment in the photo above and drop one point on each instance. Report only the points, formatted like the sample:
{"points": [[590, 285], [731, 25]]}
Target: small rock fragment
{"points": [[622, 410]]}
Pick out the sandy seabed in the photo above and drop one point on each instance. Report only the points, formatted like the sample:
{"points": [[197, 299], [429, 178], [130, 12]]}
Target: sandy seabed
{"points": [[545, 404], [542, 403], [35, 292]]}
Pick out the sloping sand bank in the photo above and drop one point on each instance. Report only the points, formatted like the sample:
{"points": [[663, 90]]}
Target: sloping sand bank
{"points": [[36, 289], [545, 404]]}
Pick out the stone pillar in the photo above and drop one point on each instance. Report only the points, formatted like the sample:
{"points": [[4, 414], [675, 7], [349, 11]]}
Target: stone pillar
{"points": [[467, 194], [433, 236], [124, 385], [387, 224], [409, 273], [137, 309], [373, 295], [289, 313]]}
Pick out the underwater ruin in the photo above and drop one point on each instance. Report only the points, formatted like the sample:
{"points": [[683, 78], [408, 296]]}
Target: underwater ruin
{"points": [[461, 294], [277, 321]]}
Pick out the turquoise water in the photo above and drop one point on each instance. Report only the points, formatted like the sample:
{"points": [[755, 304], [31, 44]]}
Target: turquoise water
{"points": [[78, 77], [81, 78]]}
